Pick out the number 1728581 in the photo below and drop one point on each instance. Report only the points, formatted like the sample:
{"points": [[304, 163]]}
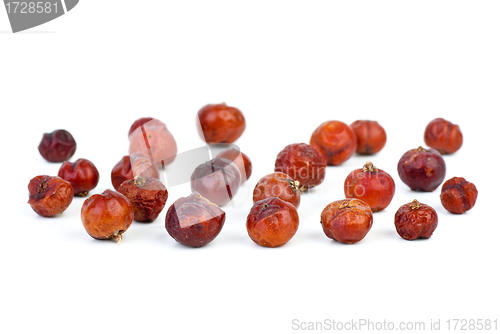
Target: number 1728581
{"points": [[39, 7]]}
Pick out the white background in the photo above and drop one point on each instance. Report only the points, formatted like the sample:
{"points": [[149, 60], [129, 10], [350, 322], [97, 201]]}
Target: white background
{"points": [[289, 66]]}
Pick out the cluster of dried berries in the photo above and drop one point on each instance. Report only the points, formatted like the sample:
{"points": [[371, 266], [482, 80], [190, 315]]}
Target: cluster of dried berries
{"points": [[273, 220]]}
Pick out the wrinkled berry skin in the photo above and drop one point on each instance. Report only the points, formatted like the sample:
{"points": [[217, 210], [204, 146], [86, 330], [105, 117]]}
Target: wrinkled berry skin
{"points": [[147, 195], [458, 195], [422, 169], [335, 140], [155, 141], [240, 159], [278, 185], [303, 163], [107, 215], [82, 174], [138, 123], [371, 185], [347, 220], [370, 136], [272, 222], [57, 146], [220, 123], [194, 221], [218, 180], [443, 136], [49, 195], [415, 221], [123, 170]]}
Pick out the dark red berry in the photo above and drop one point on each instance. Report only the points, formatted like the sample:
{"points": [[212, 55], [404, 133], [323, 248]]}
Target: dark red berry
{"points": [[422, 169], [82, 174], [194, 221], [57, 146]]}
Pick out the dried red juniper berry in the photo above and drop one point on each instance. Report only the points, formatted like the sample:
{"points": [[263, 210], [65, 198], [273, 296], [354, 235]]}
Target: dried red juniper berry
{"points": [[49, 195], [335, 140], [240, 159], [415, 220], [278, 185], [347, 220], [272, 222], [422, 169], [194, 221], [371, 185], [147, 195], [303, 163], [107, 215], [82, 174], [218, 180], [57, 146], [220, 123], [443, 136], [458, 195], [370, 135]]}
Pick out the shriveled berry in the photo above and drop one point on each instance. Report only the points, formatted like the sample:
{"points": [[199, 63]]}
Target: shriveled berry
{"points": [[272, 222], [335, 140], [107, 215], [220, 123], [155, 141], [371, 185], [240, 159], [278, 185], [370, 136], [458, 195], [415, 220], [218, 180], [194, 221], [49, 195], [347, 220], [82, 174], [443, 136], [57, 146], [303, 163], [422, 169], [147, 195]]}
